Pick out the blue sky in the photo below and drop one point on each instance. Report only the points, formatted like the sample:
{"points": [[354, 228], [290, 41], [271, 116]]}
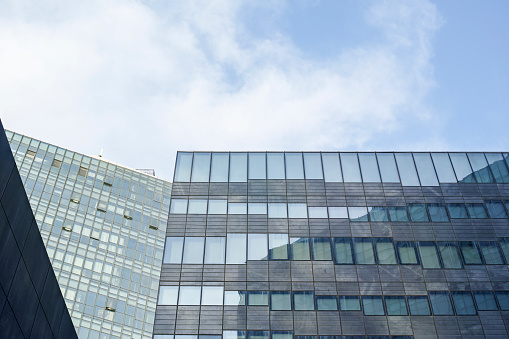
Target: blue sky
{"points": [[143, 79]]}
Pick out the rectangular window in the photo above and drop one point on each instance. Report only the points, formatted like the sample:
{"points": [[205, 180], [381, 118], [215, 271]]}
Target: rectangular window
{"points": [[470, 253], [275, 166], [201, 167], [282, 334], [369, 167], [503, 300], [425, 169], [398, 214], [385, 251], [280, 301], [237, 208], [407, 171], [297, 210], [338, 213], [349, 303], [257, 208], [418, 305], [358, 213], [350, 164], [197, 206], [485, 301], [217, 206], [496, 209], [258, 334], [388, 169], [343, 253], [212, 295], [443, 167], [313, 166], [300, 248], [257, 247], [438, 213], [326, 303], [317, 212], [303, 301], [238, 167], [504, 244], [498, 167], [364, 254], [178, 206], [234, 334], [189, 295], [168, 295], [396, 305], [219, 167], [173, 250], [234, 298], [378, 214], [477, 211], [406, 253], [183, 167], [450, 255], [418, 212], [463, 303], [215, 250], [294, 166], [491, 253], [257, 166], [331, 167], [258, 298], [441, 303], [236, 249], [457, 211], [277, 210], [429, 255], [372, 305], [193, 250], [462, 167], [278, 246], [321, 248], [480, 168]]}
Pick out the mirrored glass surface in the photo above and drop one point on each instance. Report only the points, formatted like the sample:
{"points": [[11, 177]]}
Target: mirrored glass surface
{"points": [[317, 212], [212, 295], [278, 246], [331, 167], [369, 167], [257, 247], [372, 305], [193, 250], [378, 213], [275, 166], [450, 255], [168, 295], [395, 305], [183, 167], [350, 165], [418, 212], [485, 301], [217, 206], [462, 167], [338, 213], [388, 169], [280, 301], [219, 167], [477, 211], [438, 213], [300, 248], [178, 206], [463, 303], [189, 295], [363, 249], [429, 255], [498, 167], [349, 303], [215, 250], [358, 213], [257, 298], [407, 253], [398, 213], [457, 211], [313, 166], [235, 298], [236, 248], [173, 250], [297, 210], [425, 169], [496, 209], [443, 167], [480, 167], [303, 301], [470, 253], [326, 303], [257, 208], [237, 208], [197, 206], [343, 251], [201, 167], [257, 166], [385, 251], [407, 171], [441, 303], [294, 166], [491, 253], [418, 305], [277, 210], [238, 167], [321, 248]]}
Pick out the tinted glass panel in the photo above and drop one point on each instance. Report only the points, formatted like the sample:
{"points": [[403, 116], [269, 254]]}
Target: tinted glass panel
{"points": [[300, 248], [443, 167], [396, 306], [278, 246], [343, 252], [297, 210], [349, 303], [219, 167], [498, 167], [331, 167], [189, 295], [463, 303], [441, 303], [294, 166], [485, 301], [477, 211], [168, 295], [503, 300], [275, 166], [326, 303], [363, 248], [418, 212], [429, 255], [480, 166], [197, 207], [258, 334], [496, 209], [282, 334], [418, 305], [338, 212], [438, 213], [212, 295], [358, 213], [372, 305], [215, 250], [350, 164], [277, 210], [238, 167], [457, 211], [504, 244], [237, 208], [369, 167], [257, 247], [407, 170], [450, 255], [280, 301], [491, 253], [173, 250], [235, 298], [385, 251], [183, 167], [257, 208], [321, 248], [313, 166], [201, 167], [178, 206], [470, 253], [378, 214], [193, 250], [462, 167], [257, 298], [398, 213], [388, 168], [407, 253], [425, 169], [257, 166], [317, 212], [217, 206], [303, 301], [236, 249]]}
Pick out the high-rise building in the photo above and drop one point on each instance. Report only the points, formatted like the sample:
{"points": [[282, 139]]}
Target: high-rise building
{"points": [[103, 226], [359, 245]]}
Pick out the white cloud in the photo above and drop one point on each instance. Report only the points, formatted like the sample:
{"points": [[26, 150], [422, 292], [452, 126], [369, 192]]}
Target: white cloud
{"points": [[145, 79]]}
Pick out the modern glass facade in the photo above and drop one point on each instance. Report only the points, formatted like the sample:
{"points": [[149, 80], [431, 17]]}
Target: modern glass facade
{"points": [[103, 226], [329, 244]]}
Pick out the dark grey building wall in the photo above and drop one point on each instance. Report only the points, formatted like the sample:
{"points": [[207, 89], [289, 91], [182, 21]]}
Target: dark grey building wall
{"points": [[31, 304]]}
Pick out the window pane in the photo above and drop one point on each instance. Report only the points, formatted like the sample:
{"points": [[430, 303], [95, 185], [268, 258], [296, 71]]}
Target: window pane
{"points": [[257, 208], [297, 210], [201, 167], [477, 211], [450, 255], [168, 295], [457, 211], [219, 167], [275, 166], [372, 305], [234, 334], [498, 167], [313, 166], [183, 167], [480, 166], [326, 303], [282, 334], [350, 165], [235, 298], [173, 250], [258, 298], [491, 253], [358, 213], [418, 305], [257, 166], [462, 167], [364, 251], [331, 167], [396, 305], [418, 212], [178, 206], [441, 303], [407, 170], [385, 251], [425, 169], [258, 334], [343, 253], [278, 246], [236, 249], [294, 166], [321, 248], [349, 303], [189, 295], [238, 167], [504, 244], [398, 213], [369, 167], [317, 212], [496, 209], [503, 300], [470, 253], [303, 301], [378, 214], [300, 248], [429, 255], [212, 295], [237, 208], [438, 213], [485, 301], [407, 253], [443, 167], [217, 206], [277, 210], [280, 301], [193, 250], [463, 303], [197, 206], [257, 247], [388, 168], [215, 250], [338, 212]]}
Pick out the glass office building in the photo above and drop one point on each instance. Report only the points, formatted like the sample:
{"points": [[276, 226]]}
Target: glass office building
{"points": [[103, 226], [336, 245]]}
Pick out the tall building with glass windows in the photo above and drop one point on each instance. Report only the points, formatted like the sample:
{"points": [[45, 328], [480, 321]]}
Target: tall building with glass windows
{"points": [[103, 226], [336, 245]]}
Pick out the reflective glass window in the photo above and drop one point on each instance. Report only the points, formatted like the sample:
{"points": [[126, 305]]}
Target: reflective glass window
{"points": [[407, 253], [317, 212], [173, 250], [425, 169], [429, 255], [178, 206], [237, 208], [189, 295], [504, 244], [183, 167], [234, 334], [235, 298], [303, 301], [443, 166], [201, 167], [282, 334], [193, 250], [485, 301], [441, 303], [418, 212], [257, 247], [470, 253], [438, 213], [491, 253], [406, 168], [480, 167], [503, 300], [300, 248], [338, 212], [168, 295], [349, 303], [385, 251], [275, 166], [358, 213], [477, 211], [418, 305], [197, 206], [277, 210], [278, 246], [396, 305], [496, 209], [236, 249], [498, 167], [372, 305], [258, 334], [280, 301], [238, 167], [457, 211], [313, 166], [215, 250], [217, 206], [219, 167], [257, 166], [462, 167], [294, 166], [350, 165], [388, 169], [343, 251], [331, 167], [326, 303], [450, 255], [258, 298], [398, 213], [369, 167], [378, 213], [363, 249], [212, 295], [463, 303], [321, 248], [297, 210], [257, 208]]}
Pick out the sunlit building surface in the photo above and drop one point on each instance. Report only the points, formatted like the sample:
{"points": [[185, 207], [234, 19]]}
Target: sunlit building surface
{"points": [[103, 226], [331, 245]]}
